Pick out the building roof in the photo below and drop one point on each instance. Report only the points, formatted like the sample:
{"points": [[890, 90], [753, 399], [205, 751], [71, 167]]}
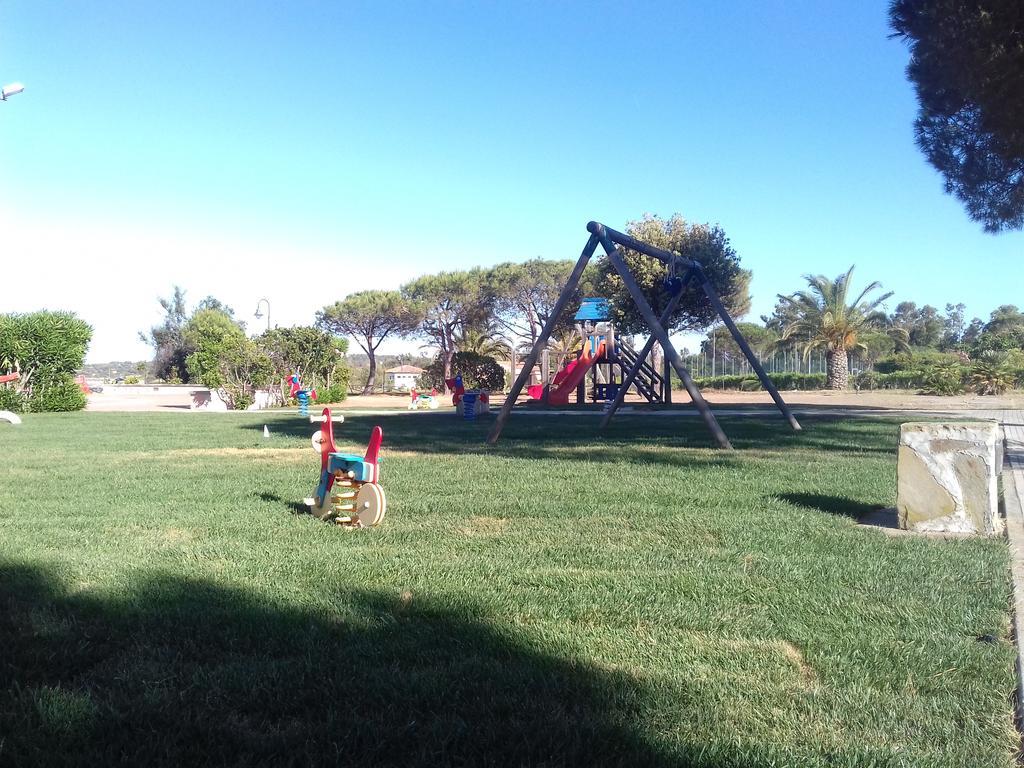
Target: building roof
{"points": [[405, 369]]}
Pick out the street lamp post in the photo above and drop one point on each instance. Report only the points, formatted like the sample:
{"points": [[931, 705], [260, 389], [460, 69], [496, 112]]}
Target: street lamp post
{"points": [[259, 314], [11, 90]]}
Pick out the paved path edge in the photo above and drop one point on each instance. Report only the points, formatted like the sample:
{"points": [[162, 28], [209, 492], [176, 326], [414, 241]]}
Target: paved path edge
{"points": [[1013, 504]]}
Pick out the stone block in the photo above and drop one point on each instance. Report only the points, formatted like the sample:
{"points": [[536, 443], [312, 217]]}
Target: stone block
{"points": [[947, 477]]}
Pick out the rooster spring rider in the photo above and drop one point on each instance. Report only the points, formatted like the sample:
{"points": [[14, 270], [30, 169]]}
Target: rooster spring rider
{"points": [[349, 493], [468, 403], [300, 394]]}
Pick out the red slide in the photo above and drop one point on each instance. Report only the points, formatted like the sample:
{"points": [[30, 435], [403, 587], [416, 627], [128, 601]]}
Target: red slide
{"points": [[567, 379]]}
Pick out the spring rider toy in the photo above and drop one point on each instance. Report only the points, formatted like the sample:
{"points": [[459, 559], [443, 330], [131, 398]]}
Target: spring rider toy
{"points": [[423, 400], [468, 403], [348, 493], [300, 394]]}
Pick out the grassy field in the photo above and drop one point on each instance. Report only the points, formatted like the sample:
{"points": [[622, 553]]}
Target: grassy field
{"points": [[561, 599]]}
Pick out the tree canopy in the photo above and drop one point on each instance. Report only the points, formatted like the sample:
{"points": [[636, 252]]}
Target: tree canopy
{"points": [[451, 303], [370, 317], [314, 352], [705, 243], [525, 293], [967, 66], [224, 358], [167, 339]]}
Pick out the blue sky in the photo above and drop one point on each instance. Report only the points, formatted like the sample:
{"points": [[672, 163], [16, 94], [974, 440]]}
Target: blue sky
{"points": [[300, 151]]}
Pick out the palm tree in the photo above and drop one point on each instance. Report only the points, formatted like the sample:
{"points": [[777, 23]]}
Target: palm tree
{"points": [[486, 342], [822, 318]]}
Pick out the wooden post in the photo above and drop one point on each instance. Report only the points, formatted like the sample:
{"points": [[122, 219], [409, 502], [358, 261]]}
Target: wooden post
{"points": [[741, 342], [512, 364], [662, 336], [542, 340], [545, 374], [667, 375], [628, 378]]}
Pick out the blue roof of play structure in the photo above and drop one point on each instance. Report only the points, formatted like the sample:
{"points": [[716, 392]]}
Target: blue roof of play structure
{"points": [[594, 309]]}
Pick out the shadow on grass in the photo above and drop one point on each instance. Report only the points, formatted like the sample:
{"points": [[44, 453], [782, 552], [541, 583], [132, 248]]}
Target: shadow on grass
{"points": [[179, 671], [174, 671], [630, 438], [833, 505], [296, 507]]}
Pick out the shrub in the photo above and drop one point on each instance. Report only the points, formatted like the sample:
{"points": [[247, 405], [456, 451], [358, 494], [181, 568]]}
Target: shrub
{"points": [[944, 378], [332, 394], [11, 399], [46, 348], [918, 360], [991, 375], [750, 382], [131, 379], [242, 400], [63, 395]]}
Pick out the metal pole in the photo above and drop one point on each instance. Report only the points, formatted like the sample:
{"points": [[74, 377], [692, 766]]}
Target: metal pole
{"points": [[662, 336], [766, 382], [542, 340]]}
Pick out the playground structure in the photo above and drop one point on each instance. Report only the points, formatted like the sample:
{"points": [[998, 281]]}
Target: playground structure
{"points": [[349, 492], [675, 284], [468, 402], [421, 400], [605, 356], [303, 396]]}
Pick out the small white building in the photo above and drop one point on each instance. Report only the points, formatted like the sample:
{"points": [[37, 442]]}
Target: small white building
{"points": [[403, 377]]}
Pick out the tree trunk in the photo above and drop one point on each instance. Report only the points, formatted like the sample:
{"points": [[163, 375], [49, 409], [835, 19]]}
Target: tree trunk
{"points": [[372, 378], [448, 355], [838, 376]]}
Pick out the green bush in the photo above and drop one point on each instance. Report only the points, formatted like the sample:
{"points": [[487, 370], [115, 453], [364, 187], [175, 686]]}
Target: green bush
{"points": [[332, 394], [11, 399], [992, 374], [46, 348], [945, 378], [63, 395], [241, 400], [750, 382], [918, 360]]}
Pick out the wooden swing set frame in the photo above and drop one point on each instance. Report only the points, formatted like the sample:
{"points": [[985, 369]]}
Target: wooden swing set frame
{"points": [[611, 240]]}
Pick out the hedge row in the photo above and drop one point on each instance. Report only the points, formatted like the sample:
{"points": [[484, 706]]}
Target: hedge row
{"points": [[750, 382], [943, 379]]}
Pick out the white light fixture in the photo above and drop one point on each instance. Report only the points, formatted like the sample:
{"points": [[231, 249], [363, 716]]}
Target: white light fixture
{"points": [[11, 90]]}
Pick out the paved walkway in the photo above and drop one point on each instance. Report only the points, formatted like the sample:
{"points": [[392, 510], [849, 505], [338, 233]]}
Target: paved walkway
{"points": [[1013, 502]]}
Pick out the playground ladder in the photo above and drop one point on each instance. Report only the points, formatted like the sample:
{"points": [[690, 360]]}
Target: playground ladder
{"points": [[648, 381]]}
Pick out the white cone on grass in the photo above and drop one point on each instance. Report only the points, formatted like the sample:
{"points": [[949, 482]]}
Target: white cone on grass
{"points": [[266, 432]]}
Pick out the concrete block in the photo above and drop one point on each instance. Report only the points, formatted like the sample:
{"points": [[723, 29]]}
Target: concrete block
{"points": [[947, 477]]}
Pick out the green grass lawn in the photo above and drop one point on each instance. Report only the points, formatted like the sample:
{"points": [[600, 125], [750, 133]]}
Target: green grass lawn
{"points": [[561, 599]]}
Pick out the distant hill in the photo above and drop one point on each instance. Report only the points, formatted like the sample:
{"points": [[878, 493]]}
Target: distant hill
{"points": [[113, 370]]}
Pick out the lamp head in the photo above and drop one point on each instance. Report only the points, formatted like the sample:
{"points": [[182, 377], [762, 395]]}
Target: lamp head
{"points": [[11, 90]]}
